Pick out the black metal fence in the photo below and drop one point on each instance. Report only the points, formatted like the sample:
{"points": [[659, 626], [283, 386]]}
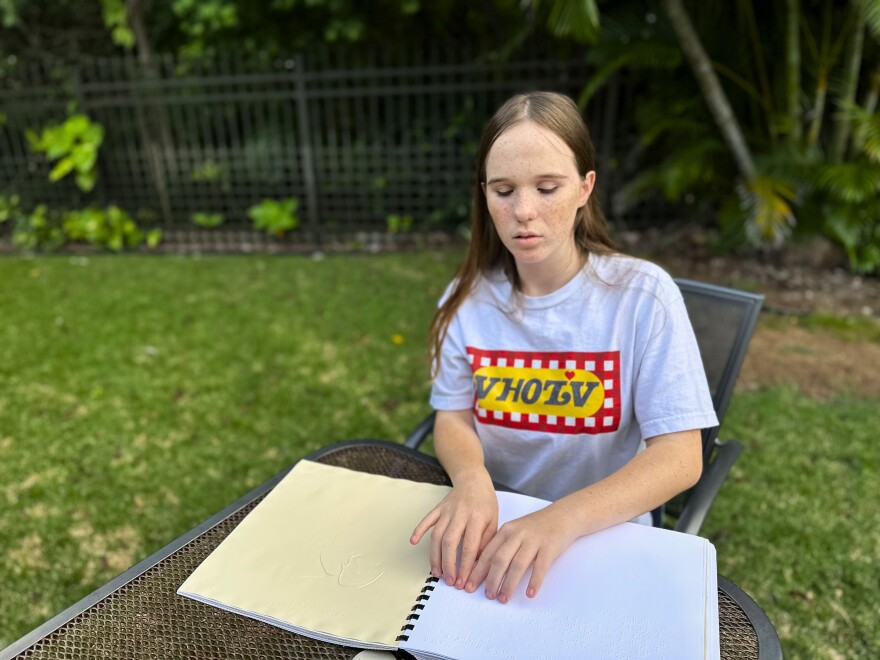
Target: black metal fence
{"points": [[356, 139]]}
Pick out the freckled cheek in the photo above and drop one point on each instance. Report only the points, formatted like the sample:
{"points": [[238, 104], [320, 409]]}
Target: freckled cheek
{"points": [[498, 211], [560, 215]]}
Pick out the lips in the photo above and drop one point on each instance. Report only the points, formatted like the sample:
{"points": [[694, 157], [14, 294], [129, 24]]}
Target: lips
{"points": [[525, 235]]}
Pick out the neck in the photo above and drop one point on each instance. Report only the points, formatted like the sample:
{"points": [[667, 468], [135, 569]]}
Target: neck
{"points": [[544, 278]]}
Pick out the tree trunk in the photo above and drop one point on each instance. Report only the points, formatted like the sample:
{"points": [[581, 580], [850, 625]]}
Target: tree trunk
{"points": [[136, 11], [851, 66], [793, 68], [818, 109], [713, 93]]}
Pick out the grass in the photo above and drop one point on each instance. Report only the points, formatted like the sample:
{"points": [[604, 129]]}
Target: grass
{"points": [[851, 328], [142, 394], [796, 523]]}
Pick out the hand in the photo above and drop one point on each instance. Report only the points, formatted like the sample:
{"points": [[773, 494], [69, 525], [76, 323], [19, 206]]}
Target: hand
{"points": [[533, 540], [468, 516]]}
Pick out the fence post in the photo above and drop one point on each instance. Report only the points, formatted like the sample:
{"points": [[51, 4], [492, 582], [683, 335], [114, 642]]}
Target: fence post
{"points": [[305, 147], [608, 147]]}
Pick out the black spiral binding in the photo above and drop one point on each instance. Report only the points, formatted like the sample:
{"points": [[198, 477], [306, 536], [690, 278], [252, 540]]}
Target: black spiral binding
{"points": [[423, 595]]}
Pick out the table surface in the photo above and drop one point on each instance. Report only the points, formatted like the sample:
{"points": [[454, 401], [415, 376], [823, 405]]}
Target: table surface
{"points": [[140, 615]]}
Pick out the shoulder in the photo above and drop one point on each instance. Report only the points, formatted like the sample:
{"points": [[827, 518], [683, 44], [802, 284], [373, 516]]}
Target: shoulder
{"points": [[491, 288], [631, 277]]}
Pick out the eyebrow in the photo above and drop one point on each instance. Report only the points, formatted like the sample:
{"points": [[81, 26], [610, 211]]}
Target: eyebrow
{"points": [[540, 176]]}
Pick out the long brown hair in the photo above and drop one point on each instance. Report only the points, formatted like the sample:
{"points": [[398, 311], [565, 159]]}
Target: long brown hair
{"points": [[486, 252]]}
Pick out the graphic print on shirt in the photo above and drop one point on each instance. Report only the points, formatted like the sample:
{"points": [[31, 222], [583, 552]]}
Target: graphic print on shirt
{"points": [[559, 392]]}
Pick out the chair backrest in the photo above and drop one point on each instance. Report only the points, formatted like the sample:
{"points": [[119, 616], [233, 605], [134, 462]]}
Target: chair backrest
{"points": [[723, 320]]}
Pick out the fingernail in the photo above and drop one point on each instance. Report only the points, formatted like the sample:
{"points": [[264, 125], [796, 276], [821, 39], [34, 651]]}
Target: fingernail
{"points": [[490, 595], [435, 572], [502, 598], [530, 592], [449, 580], [459, 583], [470, 587]]}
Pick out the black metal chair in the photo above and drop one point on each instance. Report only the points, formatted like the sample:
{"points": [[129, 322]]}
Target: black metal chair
{"points": [[724, 320]]}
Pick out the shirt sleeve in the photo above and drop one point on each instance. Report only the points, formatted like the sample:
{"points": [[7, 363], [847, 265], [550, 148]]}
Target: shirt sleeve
{"points": [[453, 388], [670, 387]]}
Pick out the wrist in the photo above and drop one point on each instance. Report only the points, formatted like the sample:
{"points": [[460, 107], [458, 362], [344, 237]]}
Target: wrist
{"points": [[475, 475]]}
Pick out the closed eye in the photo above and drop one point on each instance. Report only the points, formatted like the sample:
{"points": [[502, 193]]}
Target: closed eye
{"points": [[503, 193], [547, 191]]}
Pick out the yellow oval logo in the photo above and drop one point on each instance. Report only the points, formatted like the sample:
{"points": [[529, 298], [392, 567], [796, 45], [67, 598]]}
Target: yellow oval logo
{"points": [[561, 392]]}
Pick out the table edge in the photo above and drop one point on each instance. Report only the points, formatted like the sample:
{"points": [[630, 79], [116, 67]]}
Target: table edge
{"points": [[769, 647]]}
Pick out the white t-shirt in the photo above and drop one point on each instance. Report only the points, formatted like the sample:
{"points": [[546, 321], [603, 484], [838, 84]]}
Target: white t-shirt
{"points": [[566, 387]]}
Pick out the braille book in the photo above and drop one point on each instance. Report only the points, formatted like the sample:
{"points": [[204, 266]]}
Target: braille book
{"points": [[327, 555]]}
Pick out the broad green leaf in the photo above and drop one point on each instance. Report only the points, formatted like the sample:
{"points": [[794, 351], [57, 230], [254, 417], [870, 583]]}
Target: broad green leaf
{"points": [[61, 169], [154, 237], [123, 36], [84, 157], [85, 181], [77, 125]]}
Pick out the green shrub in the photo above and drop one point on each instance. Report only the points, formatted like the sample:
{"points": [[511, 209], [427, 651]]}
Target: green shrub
{"points": [[39, 230], [74, 144], [275, 216], [9, 208], [112, 228], [208, 219], [398, 223]]}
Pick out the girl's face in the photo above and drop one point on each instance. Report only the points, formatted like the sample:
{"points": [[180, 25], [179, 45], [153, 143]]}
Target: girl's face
{"points": [[533, 191]]}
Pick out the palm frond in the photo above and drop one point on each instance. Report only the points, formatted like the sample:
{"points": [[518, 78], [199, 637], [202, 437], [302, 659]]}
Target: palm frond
{"points": [[872, 16], [800, 166], [683, 170], [578, 19], [857, 229], [853, 182], [866, 129], [642, 55], [767, 202]]}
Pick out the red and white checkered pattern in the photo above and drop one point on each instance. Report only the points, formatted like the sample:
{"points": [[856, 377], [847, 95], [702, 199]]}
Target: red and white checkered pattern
{"points": [[605, 365]]}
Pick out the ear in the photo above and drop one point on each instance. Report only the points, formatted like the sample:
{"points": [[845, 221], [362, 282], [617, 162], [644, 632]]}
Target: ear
{"points": [[587, 186]]}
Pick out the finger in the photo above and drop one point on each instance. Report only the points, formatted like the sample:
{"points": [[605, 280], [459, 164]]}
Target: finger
{"points": [[481, 568], [427, 522], [470, 547], [518, 567], [435, 554], [488, 535], [499, 567], [449, 548], [539, 572]]}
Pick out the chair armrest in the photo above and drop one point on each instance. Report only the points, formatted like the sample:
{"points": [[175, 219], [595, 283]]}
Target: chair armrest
{"points": [[421, 432], [703, 494]]}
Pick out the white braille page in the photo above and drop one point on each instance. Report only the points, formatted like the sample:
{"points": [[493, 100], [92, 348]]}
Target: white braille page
{"points": [[627, 592]]}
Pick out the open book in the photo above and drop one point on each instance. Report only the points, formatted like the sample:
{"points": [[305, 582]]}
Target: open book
{"points": [[326, 554]]}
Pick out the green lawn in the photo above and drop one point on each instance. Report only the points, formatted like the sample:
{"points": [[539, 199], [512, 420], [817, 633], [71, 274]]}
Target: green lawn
{"points": [[142, 394]]}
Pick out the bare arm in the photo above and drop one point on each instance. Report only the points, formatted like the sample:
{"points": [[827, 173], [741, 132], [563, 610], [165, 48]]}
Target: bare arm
{"points": [[469, 514], [670, 464]]}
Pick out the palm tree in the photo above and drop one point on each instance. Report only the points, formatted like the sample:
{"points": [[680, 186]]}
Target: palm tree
{"points": [[784, 137]]}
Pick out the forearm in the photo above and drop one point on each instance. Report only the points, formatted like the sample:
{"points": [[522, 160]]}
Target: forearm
{"points": [[458, 447], [669, 465]]}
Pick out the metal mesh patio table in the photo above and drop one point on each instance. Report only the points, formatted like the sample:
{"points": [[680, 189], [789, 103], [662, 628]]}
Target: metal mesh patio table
{"points": [[140, 615]]}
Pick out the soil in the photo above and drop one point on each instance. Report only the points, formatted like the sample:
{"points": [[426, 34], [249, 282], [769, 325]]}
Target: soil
{"points": [[810, 278]]}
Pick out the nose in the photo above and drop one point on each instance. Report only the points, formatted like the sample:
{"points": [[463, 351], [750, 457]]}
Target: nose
{"points": [[524, 208]]}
